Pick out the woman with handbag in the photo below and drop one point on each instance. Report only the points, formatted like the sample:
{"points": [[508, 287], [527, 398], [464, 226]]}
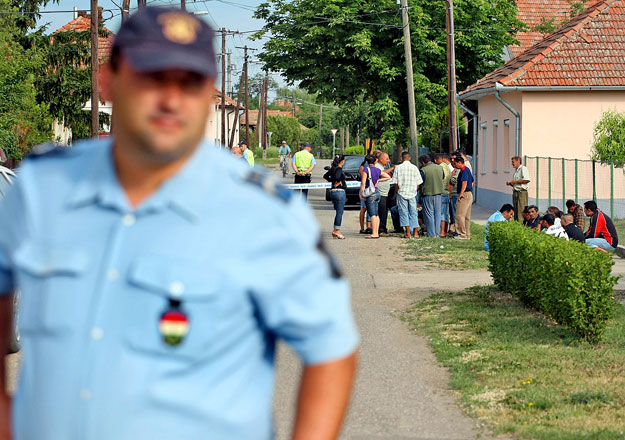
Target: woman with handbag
{"points": [[370, 194], [337, 193]]}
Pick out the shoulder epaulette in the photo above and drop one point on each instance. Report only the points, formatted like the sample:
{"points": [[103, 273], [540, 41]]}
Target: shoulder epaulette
{"points": [[269, 184], [47, 150]]}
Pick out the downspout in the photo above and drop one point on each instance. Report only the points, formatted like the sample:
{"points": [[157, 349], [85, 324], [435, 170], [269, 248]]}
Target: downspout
{"points": [[228, 128], [474, 116], [517, 137]]}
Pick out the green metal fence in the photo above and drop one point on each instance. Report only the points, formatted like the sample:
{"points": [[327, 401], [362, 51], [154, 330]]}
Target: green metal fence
{"points": [[555, 180]]}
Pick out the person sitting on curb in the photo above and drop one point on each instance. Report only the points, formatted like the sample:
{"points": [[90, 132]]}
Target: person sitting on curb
{"points": [[578, 214], [571, 229], [534, 220], [505, 213], [602, 233], [550, 228]]}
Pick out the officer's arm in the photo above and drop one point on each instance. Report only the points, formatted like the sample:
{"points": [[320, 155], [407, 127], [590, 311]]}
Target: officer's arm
{"points": [[323, 397], [294, 166], [6, 319]]}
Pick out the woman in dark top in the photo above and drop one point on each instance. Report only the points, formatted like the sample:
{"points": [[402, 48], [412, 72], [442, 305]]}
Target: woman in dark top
{"points": [[337, 193]]}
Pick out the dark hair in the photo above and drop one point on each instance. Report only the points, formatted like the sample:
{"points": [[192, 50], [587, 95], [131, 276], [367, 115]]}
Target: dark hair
{"points": [[526, 210], [548, 218], [555, 211], [506, 208], [405, 154], [591, 205], [459, 159], [436, 157], [532, 207], [424, 158], [115, 59], [370, 159], [570, 203], [337, 160]]}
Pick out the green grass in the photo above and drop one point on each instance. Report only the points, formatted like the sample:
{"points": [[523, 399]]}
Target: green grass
{"points": [[618, 224], [456, 254], [268, 161], [520, 373]]}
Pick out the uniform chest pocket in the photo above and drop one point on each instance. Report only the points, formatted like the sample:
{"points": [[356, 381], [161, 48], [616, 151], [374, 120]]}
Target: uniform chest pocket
{"points": [[157, 283], [49, 277]]}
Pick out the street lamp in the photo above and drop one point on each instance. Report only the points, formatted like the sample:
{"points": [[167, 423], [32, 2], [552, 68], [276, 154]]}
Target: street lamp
{"points": [[334, 130]]}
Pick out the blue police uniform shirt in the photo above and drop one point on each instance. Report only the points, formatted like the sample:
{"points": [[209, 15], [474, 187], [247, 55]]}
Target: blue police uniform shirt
{"points": [[96, 275], [495, 217]]}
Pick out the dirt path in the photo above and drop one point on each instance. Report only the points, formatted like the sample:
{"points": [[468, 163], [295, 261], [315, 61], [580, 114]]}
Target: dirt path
{"points": [[401, 391]]}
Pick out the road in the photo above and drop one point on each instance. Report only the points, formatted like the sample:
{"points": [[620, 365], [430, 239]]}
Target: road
{"points": [[401, 391]]}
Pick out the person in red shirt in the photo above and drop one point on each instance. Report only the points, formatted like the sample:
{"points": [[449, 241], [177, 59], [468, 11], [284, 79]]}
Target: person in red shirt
{"points": [[602, 233]]}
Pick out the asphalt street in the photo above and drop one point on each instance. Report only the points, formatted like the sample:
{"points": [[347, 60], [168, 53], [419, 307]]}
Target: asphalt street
{"points": [[401, 391]]}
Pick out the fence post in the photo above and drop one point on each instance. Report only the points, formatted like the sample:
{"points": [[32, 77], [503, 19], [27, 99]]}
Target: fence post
{"points": [[537, 182], [576, 192], [594, 181], [549, 162], [563, 185], [612, 189]]}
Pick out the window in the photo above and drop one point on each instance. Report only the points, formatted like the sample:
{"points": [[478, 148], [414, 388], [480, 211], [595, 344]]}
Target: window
{"points": [[506, 144], [495, 145], [484, 127]]}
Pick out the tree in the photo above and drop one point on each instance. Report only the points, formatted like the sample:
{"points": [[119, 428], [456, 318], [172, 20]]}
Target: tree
{"points": [[609, 138], [23, 122], [254, 86], [331, 47]]}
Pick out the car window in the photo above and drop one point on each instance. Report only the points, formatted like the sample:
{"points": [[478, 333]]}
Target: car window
{"points": [[4, 184], [353, 162]]}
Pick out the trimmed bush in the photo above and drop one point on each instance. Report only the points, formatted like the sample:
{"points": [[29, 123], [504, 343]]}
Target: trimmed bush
{"points": [[356, 149], [566, 280], [272, 152]]}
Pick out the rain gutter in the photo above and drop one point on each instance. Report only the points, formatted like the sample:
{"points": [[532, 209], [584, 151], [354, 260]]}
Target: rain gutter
{"points": [[517, 135]]}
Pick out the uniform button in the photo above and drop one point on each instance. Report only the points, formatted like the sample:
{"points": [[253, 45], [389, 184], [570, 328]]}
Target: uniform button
{"points": [[97, 333], [112, 275], [129, 220], [176, 288], [85, 394]]}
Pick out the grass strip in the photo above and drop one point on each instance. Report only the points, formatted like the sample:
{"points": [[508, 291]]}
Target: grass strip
{"points": [[450, 253], [520, 373]]}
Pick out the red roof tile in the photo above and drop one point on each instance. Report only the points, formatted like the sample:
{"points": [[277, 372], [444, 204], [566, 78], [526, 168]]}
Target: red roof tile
{"points": [[533, 13], [589, 50], [82, 24], [229, 101]]}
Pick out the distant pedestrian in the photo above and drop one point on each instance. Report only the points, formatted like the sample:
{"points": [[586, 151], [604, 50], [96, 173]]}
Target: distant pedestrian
{"points": [[303, 165], [432, 190], [534, 217], [236, 152], [440, 159], [407, 180], [505, 213], [577, 212], [384, 164], [247, 153], [369, 181], [465, 199], [453, 200], [337, 193], [520, 184]]}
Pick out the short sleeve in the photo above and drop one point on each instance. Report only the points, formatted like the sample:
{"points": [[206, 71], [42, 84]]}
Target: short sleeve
{"points": [[314, 162], [11, 209], [299, 292]]}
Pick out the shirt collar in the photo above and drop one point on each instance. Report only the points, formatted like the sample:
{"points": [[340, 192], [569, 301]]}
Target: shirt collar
{"points": [[184, 193]]}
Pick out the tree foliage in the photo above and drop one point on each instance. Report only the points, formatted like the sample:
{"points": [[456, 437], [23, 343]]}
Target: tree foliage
{"points": [[333, 48], [609, 138]]}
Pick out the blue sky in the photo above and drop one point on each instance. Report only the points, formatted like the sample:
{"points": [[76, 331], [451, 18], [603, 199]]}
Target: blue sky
{"points": [[231, 14]]}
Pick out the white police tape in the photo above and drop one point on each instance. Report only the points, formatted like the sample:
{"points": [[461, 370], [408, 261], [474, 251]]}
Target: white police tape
{"points": [[322, 185]]}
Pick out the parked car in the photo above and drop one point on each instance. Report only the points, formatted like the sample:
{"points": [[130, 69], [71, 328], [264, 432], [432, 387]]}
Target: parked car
{"points": [[350, 169], [6, 180]]}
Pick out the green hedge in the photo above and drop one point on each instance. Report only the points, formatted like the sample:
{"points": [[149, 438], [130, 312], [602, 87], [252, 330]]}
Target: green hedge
{"points": [[356, 149], [566, 280]]}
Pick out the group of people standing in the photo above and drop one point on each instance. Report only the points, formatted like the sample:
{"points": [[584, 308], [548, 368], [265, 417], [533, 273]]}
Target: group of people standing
{"points": [[431, 198]]}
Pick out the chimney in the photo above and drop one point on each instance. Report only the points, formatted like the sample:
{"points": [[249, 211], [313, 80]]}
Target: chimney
{"points": [[82, 14], [75, 12], [100, 11]]}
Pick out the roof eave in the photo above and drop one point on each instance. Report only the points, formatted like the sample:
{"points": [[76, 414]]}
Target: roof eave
{"points": [[475, 95]]}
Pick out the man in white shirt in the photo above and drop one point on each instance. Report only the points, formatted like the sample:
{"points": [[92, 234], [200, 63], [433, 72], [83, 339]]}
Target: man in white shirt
{"points": [[407, 180], [520, 184]]}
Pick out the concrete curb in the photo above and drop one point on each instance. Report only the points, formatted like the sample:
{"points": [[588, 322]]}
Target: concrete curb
{"points": [[620, 251]]}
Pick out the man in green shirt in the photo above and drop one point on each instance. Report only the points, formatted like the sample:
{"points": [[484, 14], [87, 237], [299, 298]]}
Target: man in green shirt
{"points": [[432, 190], [441, 160]]}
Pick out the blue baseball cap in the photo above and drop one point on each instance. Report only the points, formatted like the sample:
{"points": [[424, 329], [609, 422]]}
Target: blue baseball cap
{"points": [[155, 39]]}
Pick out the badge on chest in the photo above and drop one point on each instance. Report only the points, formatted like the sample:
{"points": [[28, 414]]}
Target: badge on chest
{"points": [[174, 324]]}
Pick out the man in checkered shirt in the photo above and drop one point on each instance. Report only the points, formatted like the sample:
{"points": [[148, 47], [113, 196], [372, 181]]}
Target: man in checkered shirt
{"points": [[407, 179]]}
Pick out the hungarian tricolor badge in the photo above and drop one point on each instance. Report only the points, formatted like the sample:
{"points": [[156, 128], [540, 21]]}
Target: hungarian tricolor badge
{"points": [[174, 326]]}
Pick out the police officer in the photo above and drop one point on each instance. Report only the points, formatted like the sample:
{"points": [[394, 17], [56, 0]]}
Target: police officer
{"points": [[135, 321], [303, 164], [247, 153]]}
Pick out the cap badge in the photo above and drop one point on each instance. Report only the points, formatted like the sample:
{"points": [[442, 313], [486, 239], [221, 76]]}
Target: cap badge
{"points": [[179, 27]]}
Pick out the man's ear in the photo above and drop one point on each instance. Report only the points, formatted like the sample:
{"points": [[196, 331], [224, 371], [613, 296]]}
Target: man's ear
{"points": [[105, 78]]}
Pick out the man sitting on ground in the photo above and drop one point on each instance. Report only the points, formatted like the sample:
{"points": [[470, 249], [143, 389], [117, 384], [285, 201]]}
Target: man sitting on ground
{"points": [[578, 214], [534, 221], [557, 215], [550, 228], [526, 215], [571, 229], [602, 233], [505, 213]]}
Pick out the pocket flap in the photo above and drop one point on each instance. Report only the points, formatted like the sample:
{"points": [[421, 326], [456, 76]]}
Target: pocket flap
{"points": [[43, 259], [174, 278]]}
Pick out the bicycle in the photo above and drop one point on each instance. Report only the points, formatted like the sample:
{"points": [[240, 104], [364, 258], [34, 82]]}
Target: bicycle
{"points": [[283, 164]]}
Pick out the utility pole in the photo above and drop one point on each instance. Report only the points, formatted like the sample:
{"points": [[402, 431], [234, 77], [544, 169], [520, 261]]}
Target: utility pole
{"points": [[141, 3], [265, 103], [320, 120], [95, 99], [294, 105], [236, 112], [247, 94], [223, 86], [229, 73], [412, 113], [125, 10], [183, 5], [451, 75]]}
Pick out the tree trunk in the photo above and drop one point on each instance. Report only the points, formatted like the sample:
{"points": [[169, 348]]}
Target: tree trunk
{"points": [[358, 134], [347, 137], [342, 140]]}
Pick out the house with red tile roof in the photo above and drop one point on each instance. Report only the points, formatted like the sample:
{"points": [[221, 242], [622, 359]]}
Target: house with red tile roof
{"points": [[547, 100]]}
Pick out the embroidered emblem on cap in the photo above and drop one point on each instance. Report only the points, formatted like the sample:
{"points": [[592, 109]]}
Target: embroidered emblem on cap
{"points": [[179, 27]]}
